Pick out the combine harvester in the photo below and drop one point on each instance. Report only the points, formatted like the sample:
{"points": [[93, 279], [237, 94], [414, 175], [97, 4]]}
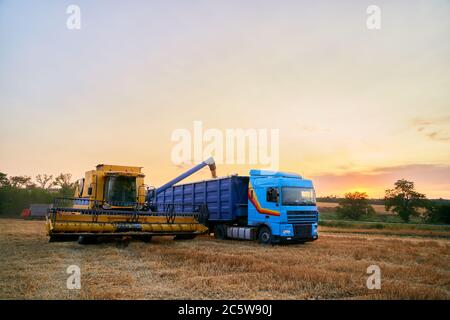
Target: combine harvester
{"points": [[113, 201]]}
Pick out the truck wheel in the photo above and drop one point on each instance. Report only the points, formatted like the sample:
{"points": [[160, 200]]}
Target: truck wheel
{"points": [[220, 232], [265, 236]]}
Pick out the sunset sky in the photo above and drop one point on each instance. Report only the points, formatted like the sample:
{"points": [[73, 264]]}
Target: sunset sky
{"points": [[356, 109]]}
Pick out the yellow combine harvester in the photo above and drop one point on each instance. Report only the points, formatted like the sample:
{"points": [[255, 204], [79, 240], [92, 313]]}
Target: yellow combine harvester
{"points": [[114, 201]]}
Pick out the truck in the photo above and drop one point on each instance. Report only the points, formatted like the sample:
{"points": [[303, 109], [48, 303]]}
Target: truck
{"points": [[113, 201], [268, 206]]}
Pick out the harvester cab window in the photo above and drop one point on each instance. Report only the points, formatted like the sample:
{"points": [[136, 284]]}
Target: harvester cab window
{"points": [[80, 187], [272, 195], [120, 191]]}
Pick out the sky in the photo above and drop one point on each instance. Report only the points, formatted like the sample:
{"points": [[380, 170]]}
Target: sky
{"points": [[356, 109]]}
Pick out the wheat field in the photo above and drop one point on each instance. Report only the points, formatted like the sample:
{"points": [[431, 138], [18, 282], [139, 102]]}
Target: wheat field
{"points": [[334, 267]]}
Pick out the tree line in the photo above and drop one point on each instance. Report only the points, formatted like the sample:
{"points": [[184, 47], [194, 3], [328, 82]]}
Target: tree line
{"points": [[18, 192], [402, 200]]}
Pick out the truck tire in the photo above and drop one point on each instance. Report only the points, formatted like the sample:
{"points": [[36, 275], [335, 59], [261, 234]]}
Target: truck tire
{"points": [[264, 235], [220, 232]]}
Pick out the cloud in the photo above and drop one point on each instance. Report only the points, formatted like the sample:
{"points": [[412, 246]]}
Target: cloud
{"points": [[438, 135], [433, 128], [431, 179], [431, 121]]}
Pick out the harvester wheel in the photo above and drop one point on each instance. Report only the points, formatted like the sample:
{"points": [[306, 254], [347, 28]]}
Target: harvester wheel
{"points": [[145, 239], [61, 238], [184, 237], [87, 240], [265, 236], [220, 232]]}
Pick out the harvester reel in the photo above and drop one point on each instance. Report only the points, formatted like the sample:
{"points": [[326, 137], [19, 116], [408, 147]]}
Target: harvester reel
{"points": [[170, 213]]}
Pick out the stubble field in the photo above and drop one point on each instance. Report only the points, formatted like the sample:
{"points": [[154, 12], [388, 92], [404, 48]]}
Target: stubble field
{"points": [[334, 267]]}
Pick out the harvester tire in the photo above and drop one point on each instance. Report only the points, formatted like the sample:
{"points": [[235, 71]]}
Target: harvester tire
{"points": [[264, 235], [61, 238], [184, 237], [87, 240], [220, 232], [145, 239]]}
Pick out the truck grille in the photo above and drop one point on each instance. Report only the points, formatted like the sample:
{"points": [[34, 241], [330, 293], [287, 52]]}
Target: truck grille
{"points": [[302, 216], [303, 230]]}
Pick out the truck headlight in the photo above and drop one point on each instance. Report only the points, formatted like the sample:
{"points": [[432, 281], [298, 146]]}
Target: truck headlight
{"points": [[286, 231], [315, 228]]}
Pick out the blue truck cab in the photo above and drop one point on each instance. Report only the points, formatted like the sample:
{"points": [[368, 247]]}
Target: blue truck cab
{"points": [[282, 206]]}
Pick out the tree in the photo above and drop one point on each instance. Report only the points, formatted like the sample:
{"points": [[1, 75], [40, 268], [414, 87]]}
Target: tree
{"points": [[17, 193], [44, 180], [63, 180], [354, 205], [4, 182], [438, 213], [67, 187], [404, 200], [20, 181]]}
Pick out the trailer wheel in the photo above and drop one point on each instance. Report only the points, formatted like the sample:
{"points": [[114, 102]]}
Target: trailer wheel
{"points": [[220, 232], [265, 236]]}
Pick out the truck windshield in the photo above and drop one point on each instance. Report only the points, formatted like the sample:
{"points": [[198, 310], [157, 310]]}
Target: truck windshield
{"points": [[296, 196], [120, 191]]}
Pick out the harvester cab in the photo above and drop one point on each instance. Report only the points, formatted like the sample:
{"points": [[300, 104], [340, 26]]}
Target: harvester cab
{"points": [[112, 201], [111, 187]]}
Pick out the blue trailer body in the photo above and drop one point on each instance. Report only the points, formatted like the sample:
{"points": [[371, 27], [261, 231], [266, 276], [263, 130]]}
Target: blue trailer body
{"points": [[225, 197]]}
